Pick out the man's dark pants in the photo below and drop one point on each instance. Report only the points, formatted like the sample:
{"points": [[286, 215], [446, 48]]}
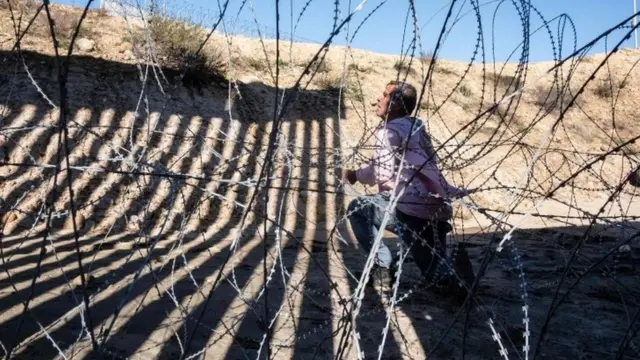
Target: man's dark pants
{"points": [[419, 235]]}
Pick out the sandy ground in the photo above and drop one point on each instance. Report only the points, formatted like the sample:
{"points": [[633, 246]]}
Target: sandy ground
{"points": [[164, 253]]}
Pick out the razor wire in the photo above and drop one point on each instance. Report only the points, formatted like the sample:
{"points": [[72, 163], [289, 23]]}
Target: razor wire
{"points": [[192, 197]]}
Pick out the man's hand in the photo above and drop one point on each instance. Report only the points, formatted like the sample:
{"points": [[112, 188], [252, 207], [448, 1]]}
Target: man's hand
{"points": [[464, 192], [472, 191], [349, 176]]}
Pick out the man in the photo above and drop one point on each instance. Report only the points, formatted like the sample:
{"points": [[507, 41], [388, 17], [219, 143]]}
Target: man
{"points": [[423, 207]]}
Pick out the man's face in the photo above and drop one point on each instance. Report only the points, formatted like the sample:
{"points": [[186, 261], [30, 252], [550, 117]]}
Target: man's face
{"points": [[383, 101]]}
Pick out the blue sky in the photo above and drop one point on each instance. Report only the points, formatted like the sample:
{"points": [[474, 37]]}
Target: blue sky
{"points": [[383, 31]]}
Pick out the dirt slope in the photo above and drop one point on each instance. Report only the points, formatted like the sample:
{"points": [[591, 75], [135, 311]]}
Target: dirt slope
{"points": [[160, 184]]}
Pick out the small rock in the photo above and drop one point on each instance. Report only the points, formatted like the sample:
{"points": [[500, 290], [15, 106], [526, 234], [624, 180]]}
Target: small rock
{"points": [[304, 193], [80, 220], [128, 55], [85, 45], [124, 47], [133, 226]]}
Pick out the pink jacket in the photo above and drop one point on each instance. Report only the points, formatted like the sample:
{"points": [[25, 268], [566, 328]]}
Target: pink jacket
{"points": [[428, 194]]}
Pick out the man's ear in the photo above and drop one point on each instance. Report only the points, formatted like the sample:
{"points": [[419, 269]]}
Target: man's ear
{"points": [[396, 97], [395, 103]]}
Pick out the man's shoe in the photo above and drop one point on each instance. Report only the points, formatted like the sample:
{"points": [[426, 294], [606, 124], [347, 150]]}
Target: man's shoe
{"points": [[455, 287], [463, 267], [381, 278]]}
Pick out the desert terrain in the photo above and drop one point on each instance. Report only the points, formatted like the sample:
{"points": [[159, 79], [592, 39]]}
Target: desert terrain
{"points": [[166, 250]]}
